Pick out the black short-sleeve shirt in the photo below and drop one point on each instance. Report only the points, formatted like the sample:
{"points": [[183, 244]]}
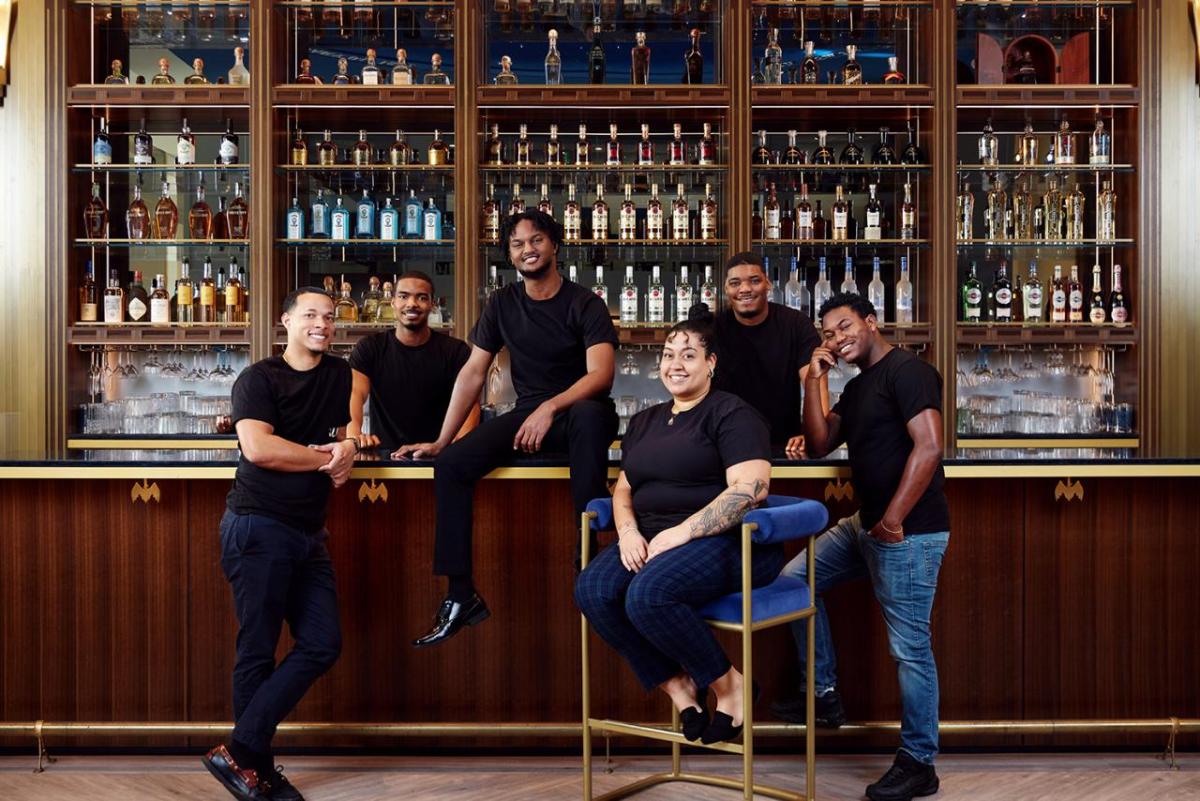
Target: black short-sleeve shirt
{"points": [[547, 340], [761, 364], [875, 409], [676, 469], [302, 406], [410, 386]]}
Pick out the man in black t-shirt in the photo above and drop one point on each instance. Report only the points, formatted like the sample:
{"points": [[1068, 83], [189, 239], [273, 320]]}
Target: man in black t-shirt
{"points": [[408, 373], [561, 345], [763, 350], [890, 417], [290, 412]]}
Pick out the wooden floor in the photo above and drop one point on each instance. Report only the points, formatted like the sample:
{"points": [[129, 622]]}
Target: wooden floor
{"points": [[1090, 777]]}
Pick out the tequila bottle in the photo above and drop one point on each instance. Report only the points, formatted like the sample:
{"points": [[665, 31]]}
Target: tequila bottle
{"points": [[206, 309], [114, 300], [822, 156], [679, 215], [708, 146], [117, 77], [708, 290], [372, 297], [1074, 297], [989, 146], [200, 216], [875, 292], [1100, 145], [972, 298], [997, 205], [1064, 144], [553, 147], [386, 313], [1098, 311], [371, 74], [1058, 297], [596, 65], [683, 294], [553, 61], [612, 155], [804, 215], [849, 285], [904, 295], [599, 216], [1106, 212], [793, 155], [235, 304], [238, 214], [654, 215], [773, 59], [402, 72], [629, 297], [435, 76], [1074, 207], [1052, 205], [841, 215], [506, 77], [1031, 296], [965, 205], [340, 222], [1028, 150], [823, 289], [852, 70], [305, 75], [600, 288], [95, 216], [166, 214], [413, 219], [810, 70], [693, 60], [873, 230], [583, 155], [1118, 306], [656, 298], [238, 74], [572, 217], [342, 76], [640, 60], [164, 76], [645, 151], [627, 220], [295, 221], [908, 215], [183, 302], [345, 310]]}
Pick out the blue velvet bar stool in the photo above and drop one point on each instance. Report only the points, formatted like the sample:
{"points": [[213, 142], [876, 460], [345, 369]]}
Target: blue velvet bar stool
{"points": [[786, 599]]}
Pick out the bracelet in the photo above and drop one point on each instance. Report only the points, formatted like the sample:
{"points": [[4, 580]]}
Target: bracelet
{"points": [[357, 450], [883, 526]]}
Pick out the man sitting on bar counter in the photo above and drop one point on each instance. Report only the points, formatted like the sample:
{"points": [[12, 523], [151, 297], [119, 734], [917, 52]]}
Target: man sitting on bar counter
{"points": [[763, 349], [408, 373], [890, 418], [561, 344], [290, 412]]}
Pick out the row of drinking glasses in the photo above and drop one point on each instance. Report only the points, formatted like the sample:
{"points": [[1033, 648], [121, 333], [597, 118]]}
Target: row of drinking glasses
{"points": [[161, 413], [1042, 413]]}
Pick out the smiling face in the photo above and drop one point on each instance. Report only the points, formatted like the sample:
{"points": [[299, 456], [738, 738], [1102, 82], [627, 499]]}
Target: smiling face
{"points": [[747, 287], [685, 366], [310, 322], [531, 251], [848, 335], [412, 303]]}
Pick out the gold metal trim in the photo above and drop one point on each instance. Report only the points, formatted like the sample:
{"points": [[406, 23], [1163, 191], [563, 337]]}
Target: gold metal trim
{"points": [[1019, 442], [85, 472]]}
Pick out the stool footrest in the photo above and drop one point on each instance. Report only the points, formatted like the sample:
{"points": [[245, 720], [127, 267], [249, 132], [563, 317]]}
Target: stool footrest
{"points": [[657, 733]]}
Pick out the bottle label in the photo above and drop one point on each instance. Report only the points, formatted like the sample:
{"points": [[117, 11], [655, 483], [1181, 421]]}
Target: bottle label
{"points": [[806, 220], [365, 220], [840, 219], [402, 77], [1097, 316], [772, 224], [1034, 295], [102, 152], [208, 295], [1003, 296], [232, 295], [112, 309], [655, 305], [654, 222], [433, 225], [1076, 300], [629, 305], [602, 293], [628, 223], [679, 223], [160, 310], [708, 297], [295, 225], [1120, 314], [387, 225], [370, 78], [229, 151], [183, 295], [708, 224], [571, 224], [974, 296], [185, 152], [340, 222], [87, 312], [142, 150], [1059, 299], [412, 219], [137, 310], [599, 225], [320, 221]]}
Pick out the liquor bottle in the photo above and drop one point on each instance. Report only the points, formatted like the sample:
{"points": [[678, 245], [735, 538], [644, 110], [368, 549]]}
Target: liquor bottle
{"points": [[989, 146], [166, 214], [402, 72], [810, 71], [654, 215], [1106, 212], [329, 287], [235, 299], [364, 217], [627, 217], [345, 310], [384, 312], [1031, 296], [1074, 297], [762, 153], [553, 61], [965, 205], [708, 214], [340, 222], [371, 299], [1002, 296], [599, 216], [143, 146], [238, 214], [683, 294], [756, 222], [185, 145], [228, 151], [823, 289], [851, 153], [794, 291], [1064, 144], [873, 230], [164, 76], [435, 76], [612, 154], [656, 298], [600, 289], [491, 215], [400, 152], [389, 221], [774, 283], [342, 76], [639, 60], [524, 151], [327, 151], [1100, 145], [972, 298], [820, 224], [305, 75], [506, 77], [572, 217], [1098, 312], [553, 147], [912, 153], [320, 217], [438, 153], [875, 292], [1028, 149], [904, 295], [693, 60], [493, 147], [893, 75], [137, 300], [629, 297], [183, 301], [95, 216], [299, 151], [360, 153], [1058, 297], [1074, 208], [516, 204], [997, 205], [88, 307], [1118, 309], [114, 300], [771, 214], [804, 215], [908, 215], [793, 155], [371, 74], [676, 152], [852, 70], [200, 216], [708, 290], [679, 215], [573, 274], [102, 146], [645, 151], [1022, 206], [583, 154], [773, 59], [848, 283], [238, 74], [117, 77], [219, 295], [432, 221], [822, 156], [1052, 204], [596, 64], [841, 213], [295, 221], [884, 152]]}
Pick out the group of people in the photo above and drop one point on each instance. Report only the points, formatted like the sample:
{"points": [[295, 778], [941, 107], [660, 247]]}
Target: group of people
{"points": [[745, 383]]}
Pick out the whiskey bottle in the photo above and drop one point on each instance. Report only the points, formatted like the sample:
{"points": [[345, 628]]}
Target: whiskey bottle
{"points": [[912, 153], [553, 62], [645, 152], [852, 70], [884, 152], [804, 215], [220, 223], [1002, 296], [600, 289], [491, 215], [656, 298], [327, 151], [683, 294], [1100, 145], [1052, 205], [841, 214], [1031, 296], [762, 153], [143, 146], [432, 221], [773, 59], [965, 205], [166, 214], [908, 215], [1028, 150], [137, 300], [972, 298], [1074, 297], [612, 156], [1098, 312], [997, 204], [822, 156], [708, 146], [876, 293], [627, 219], [238, 214], [114, 300], [708, 290], [823, 289], [640, 60], [553, 148], [693, 60], [583, 156], [524, 153], [820, 224], [506, 77], [438, 153], [95, 216], [370, 71], [1058, 297], [572, 217], [364, 217], [599, 216], [873, 230], [849, 285], [989, 146], [88, 307], [904, 295], [680, 215], [435, 76], [851, 153], [756, 221], [596, 55], [1074, 208], [629, 297], [516, 204], [493, 147], [810, 71], [1118, 306], [219, 296], [345, 310], [545, 204], [771, 214], [1106, 213], [893, 75], [228, 151], [320, 217], [200, 216], [360, 154], [299, 151], [1064, 144], [708, 214], [238, 74]]}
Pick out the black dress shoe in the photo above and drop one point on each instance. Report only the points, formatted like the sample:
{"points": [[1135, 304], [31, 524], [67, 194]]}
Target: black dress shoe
{"points": [[905, 779], [451, 617], [827, 714], [721, 729], [242, 783], [279, 788]]}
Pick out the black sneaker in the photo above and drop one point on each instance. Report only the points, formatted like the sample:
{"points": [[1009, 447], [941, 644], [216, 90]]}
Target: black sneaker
{"points": [[279, 788], [905, 779], [828, 713]]}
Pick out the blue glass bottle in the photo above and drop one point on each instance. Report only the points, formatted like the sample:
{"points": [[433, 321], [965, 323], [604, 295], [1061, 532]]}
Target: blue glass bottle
{"points": [[433, 221], [389, 221], [364, 218], [320, 216], [413, 217], [340, 222], [295, 221]]}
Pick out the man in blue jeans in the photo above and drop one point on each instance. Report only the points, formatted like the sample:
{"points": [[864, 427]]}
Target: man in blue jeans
{"points": [[889, 416]]}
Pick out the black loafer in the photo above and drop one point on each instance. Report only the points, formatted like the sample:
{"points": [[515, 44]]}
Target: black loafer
{"points": [[694, 719], [280, 789], [720, 730], [450, 619], [242, 783]]}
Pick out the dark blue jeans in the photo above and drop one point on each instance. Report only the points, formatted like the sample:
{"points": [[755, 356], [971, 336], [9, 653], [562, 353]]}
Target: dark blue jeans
{"points": [[277, 573]]}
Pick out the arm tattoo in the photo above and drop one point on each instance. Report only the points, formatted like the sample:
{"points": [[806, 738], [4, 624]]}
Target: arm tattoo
{"points": [[727, 509]]}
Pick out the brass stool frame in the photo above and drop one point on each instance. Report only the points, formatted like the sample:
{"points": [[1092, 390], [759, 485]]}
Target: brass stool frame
{"points": [[673, 735]]}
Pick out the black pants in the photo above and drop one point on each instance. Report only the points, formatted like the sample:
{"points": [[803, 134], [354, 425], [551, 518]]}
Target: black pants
{"points": [[277, 573], [584, 432]]}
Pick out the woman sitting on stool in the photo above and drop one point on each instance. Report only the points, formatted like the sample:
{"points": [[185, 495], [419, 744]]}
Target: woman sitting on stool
{"points": [[691, 468]]}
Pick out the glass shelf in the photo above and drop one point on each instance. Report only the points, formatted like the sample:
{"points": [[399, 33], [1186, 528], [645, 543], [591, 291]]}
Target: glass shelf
{"points": [[854, 243], [1049, 169], [1033, 243], [851, 168], [139, 168], [634, 243], [444, 169], [351, 243], [602, 168], [238, 244]]}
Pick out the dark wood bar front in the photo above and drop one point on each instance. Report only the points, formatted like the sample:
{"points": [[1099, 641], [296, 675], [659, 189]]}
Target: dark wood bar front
{"points": [[1059, 599]]}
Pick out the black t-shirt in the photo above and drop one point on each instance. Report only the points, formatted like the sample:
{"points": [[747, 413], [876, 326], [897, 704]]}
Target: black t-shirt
{"points": [[875, 409], [306, 407], [547, 340], [410, 386], [677, 468], [761, 364]]}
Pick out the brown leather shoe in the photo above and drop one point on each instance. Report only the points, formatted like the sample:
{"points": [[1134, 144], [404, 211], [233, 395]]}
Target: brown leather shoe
{"points": [[242, 783]]}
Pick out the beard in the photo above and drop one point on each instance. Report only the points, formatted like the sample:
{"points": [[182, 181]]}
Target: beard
{"points": [[538, 273]]}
